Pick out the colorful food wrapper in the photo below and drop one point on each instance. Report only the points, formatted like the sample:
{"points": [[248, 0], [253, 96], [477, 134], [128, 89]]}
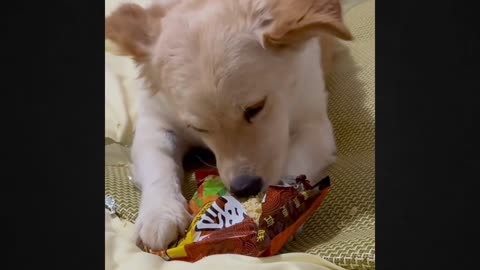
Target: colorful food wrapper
{"points": [[224, 224]]}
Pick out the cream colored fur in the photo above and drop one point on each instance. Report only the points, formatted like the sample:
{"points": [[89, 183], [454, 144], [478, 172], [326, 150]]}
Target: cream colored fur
{"points": [[204, 62]]}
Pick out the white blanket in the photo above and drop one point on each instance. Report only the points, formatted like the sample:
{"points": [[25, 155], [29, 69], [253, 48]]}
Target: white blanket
{"points": [[122, 253]]}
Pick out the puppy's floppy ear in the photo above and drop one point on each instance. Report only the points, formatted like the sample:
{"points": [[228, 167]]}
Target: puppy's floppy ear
{"points": [[134, 29], [294, 21]]}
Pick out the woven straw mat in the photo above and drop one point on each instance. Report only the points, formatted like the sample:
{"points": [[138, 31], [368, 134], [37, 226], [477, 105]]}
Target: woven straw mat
{"points": [[342, 230]]}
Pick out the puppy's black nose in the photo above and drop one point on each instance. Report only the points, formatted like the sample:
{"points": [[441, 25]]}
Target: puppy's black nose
{"points": [[246, 185]]}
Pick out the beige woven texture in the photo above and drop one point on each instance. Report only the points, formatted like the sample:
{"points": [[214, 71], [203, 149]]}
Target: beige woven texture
{"points": [[342, 230]]}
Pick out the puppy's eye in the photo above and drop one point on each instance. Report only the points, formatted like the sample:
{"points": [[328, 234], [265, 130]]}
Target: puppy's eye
{"points": [[197, 129], [253, 110]]}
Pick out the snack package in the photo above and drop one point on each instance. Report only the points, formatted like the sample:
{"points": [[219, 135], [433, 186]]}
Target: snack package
{"points": [[257, 226]]}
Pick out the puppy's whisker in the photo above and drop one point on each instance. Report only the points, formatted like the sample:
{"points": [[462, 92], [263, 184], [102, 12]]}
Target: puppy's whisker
{"points": [[205, 163]]}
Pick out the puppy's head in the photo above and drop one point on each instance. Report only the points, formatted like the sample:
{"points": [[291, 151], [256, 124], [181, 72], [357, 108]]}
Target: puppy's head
{"points": [[228, 67]]}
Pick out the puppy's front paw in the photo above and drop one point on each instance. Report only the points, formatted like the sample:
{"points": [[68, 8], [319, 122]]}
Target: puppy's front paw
{"points": [[161, 223]]}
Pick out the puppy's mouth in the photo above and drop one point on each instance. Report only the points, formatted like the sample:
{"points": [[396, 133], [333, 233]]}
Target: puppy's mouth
{"points": [[246, 185]]}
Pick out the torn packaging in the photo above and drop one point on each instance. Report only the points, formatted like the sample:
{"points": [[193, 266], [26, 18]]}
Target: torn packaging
{"points": [[259, 226]]}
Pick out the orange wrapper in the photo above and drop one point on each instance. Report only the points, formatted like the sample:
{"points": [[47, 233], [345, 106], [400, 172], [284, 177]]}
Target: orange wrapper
{"points": [[221, 224]]}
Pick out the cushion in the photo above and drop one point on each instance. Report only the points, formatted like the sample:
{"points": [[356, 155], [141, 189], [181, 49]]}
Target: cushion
{"points": [[342, 229]]}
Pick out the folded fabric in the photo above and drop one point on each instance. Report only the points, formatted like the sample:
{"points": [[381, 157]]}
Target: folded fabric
{"points": [[122, 253]]}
